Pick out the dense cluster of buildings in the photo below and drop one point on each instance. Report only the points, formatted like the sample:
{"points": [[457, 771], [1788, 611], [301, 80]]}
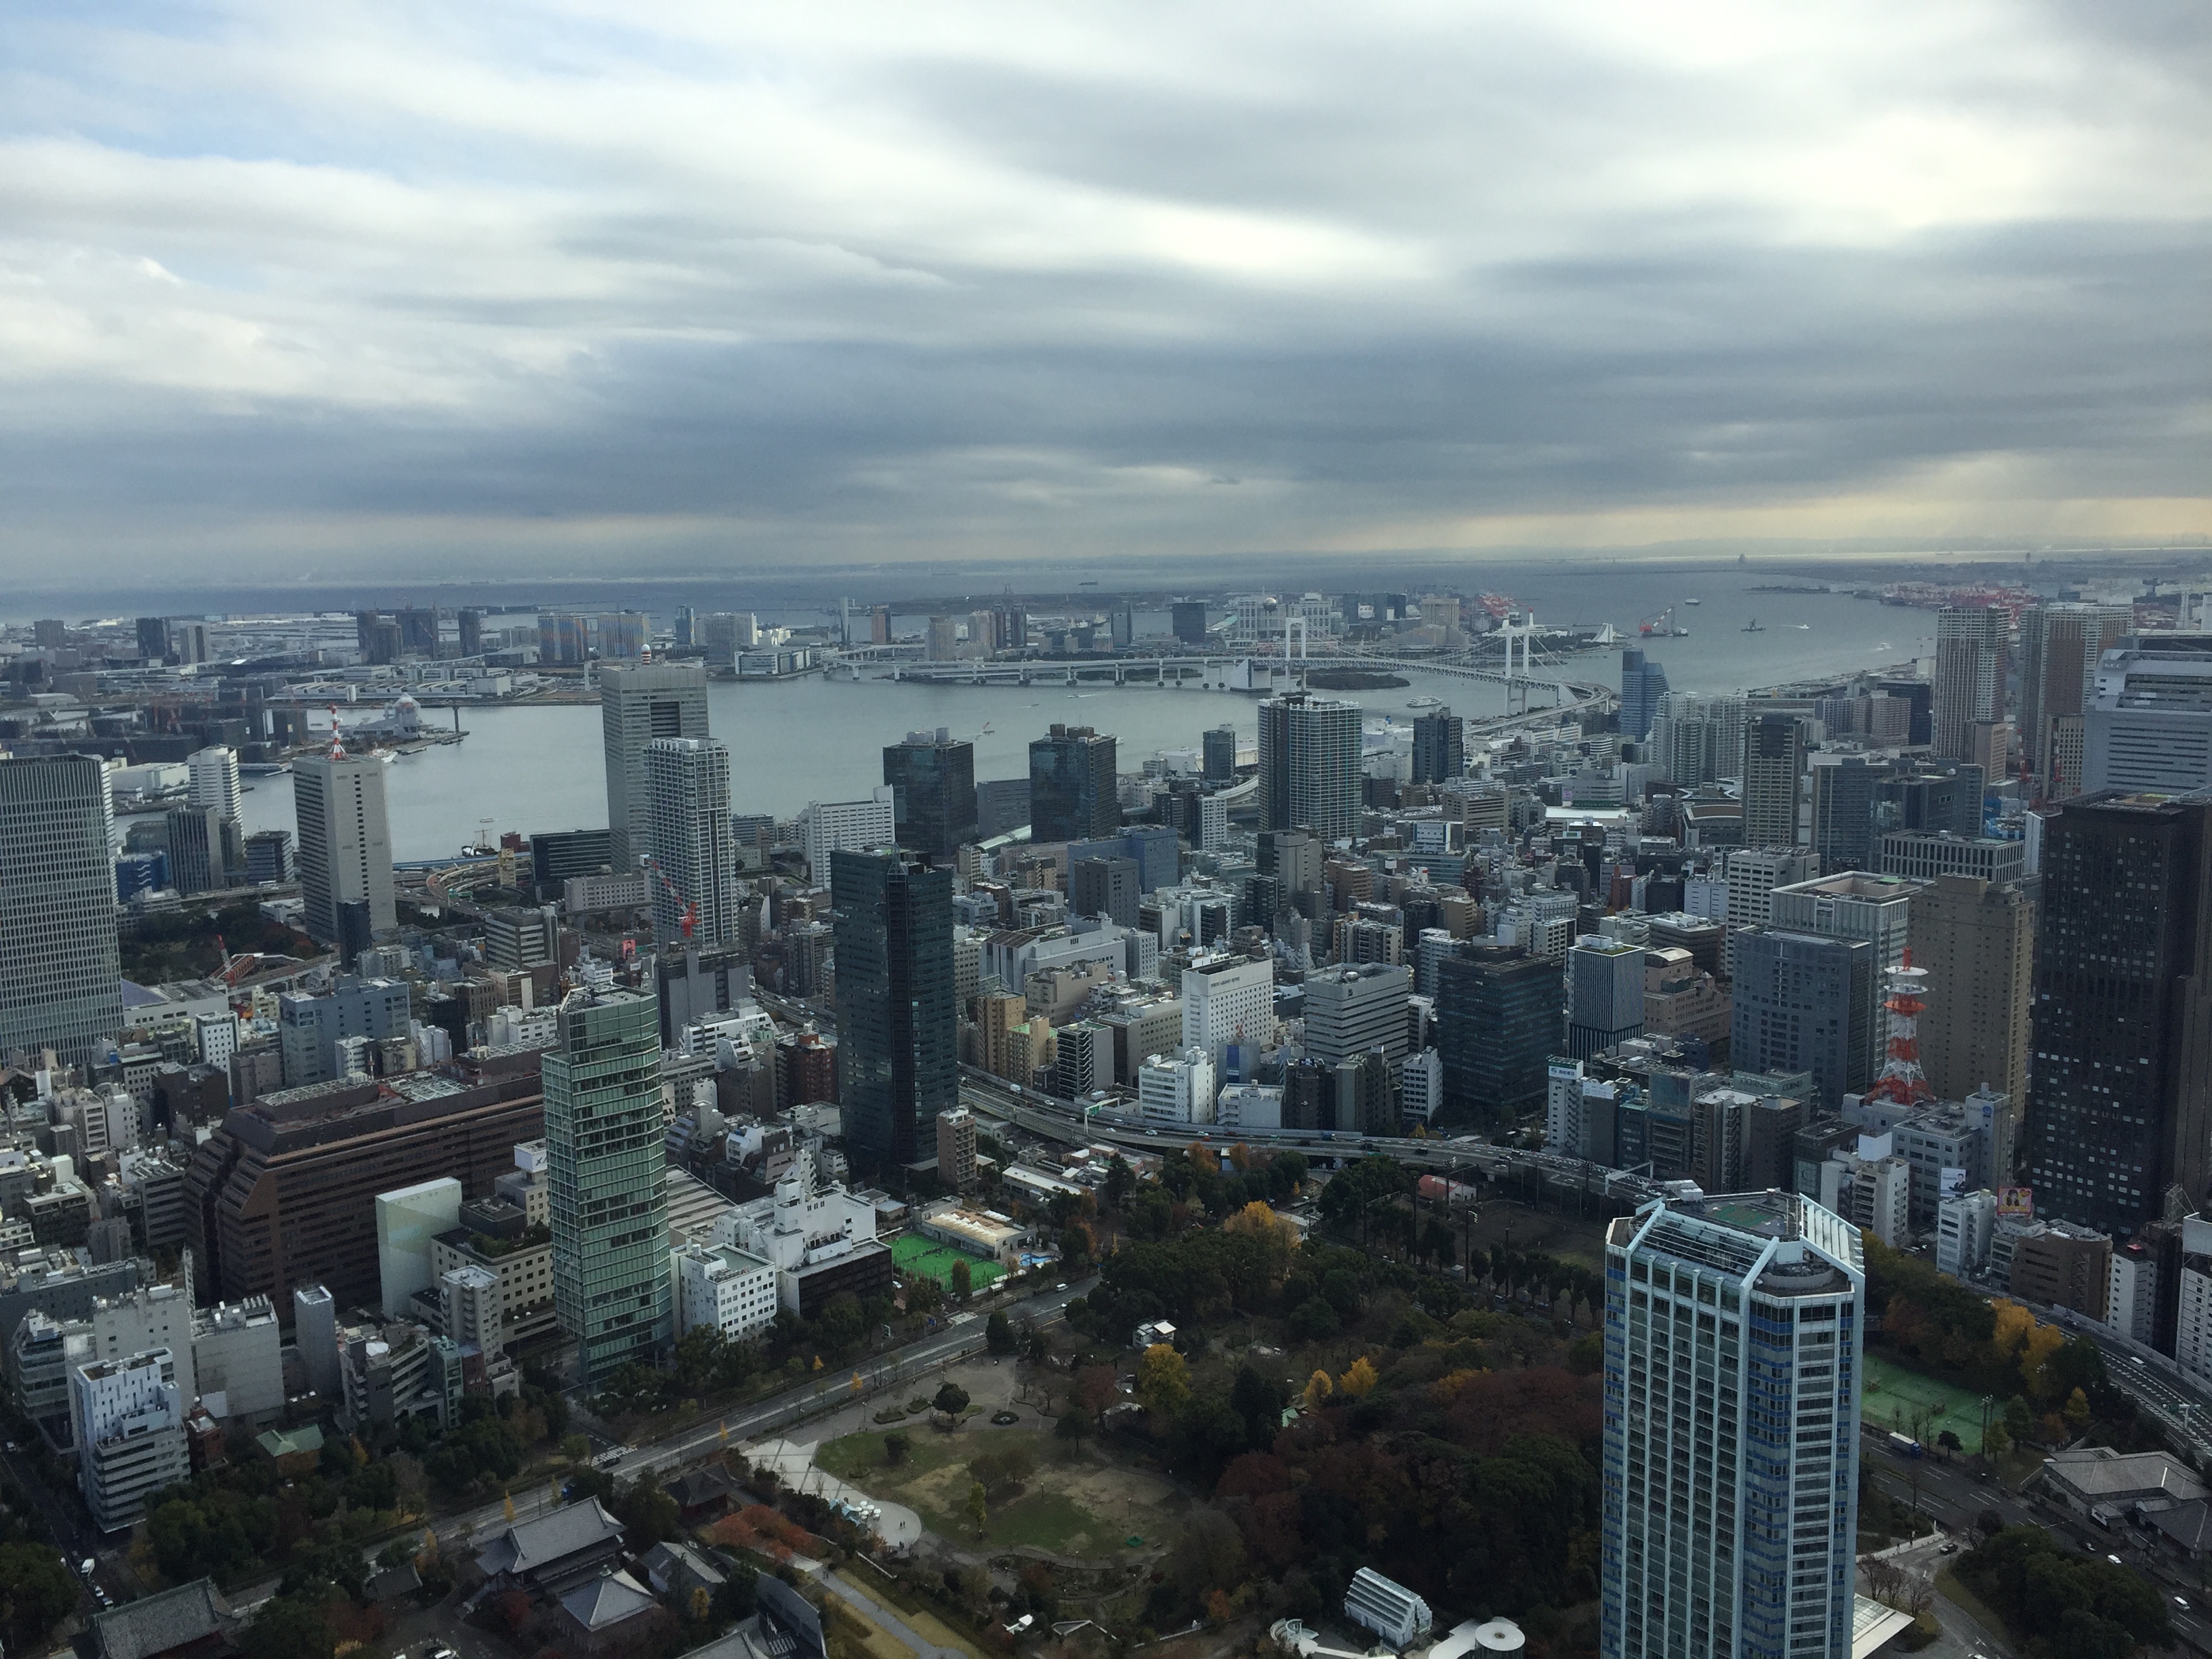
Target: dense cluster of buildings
{"points": [[1915, 954]]}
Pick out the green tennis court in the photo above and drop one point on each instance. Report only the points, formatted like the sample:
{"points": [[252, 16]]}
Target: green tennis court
{"points": [[1895, 1398], [911, 1253]]}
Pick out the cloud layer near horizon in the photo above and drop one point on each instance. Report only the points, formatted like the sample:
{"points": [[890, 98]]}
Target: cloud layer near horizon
{"points": [[531, 286]]}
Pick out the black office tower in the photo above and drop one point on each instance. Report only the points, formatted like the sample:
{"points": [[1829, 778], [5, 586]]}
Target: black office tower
{"points": [[1072, 792], [153, 638], [899, 1039], [1498, 1024], [1439, 747], [2120, 1100], [1187, 618], [1220, 754], [932, 780]]}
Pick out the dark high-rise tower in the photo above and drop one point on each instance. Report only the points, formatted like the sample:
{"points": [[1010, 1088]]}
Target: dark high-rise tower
{"points": [[1220, 754], [899, 1040], [933, 783], [1498, 1026], [1642, 685], [1775, 749], [1072, 791], [2120, 1099], [153, 638], [1439, 747]]}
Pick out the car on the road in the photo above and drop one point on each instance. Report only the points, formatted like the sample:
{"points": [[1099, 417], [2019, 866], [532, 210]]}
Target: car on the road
{"points": [[2116, 1560], [2181, 1602]]}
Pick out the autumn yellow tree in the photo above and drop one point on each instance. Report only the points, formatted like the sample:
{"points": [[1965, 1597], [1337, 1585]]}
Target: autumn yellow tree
{"points": [[1163, 1380], [1318, 1389], [1279, 1237], [1360, 1380]]}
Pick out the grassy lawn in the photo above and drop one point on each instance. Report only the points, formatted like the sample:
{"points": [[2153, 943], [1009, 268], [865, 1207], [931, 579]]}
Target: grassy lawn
{"points": [[1893, 1398], [911, 1253], [1080, 1506]]}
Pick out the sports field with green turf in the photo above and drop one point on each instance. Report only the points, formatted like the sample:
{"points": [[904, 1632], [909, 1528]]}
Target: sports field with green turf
{"points": [[913, 1254], [1894, 1398]]}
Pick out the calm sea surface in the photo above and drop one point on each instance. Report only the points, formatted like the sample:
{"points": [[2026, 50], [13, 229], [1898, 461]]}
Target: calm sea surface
{"points": [[529, 770]]}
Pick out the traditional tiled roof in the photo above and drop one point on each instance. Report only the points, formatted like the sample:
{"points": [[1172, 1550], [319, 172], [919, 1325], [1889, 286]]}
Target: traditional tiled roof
{"points": [[156, 1624], [530, 1547]]}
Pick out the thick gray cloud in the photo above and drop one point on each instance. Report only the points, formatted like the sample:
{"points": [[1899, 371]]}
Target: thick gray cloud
{"points": [[680, 283]]}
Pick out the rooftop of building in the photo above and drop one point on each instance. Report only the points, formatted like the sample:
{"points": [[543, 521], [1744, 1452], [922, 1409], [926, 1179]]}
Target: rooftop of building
{"points": [[2099, 1473], [533, 1546], [163, 1622]]}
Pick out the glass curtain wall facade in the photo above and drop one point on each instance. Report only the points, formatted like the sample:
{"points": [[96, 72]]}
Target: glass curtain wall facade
{"points": [[606, 1170], [1732, 1335], [897, 1018]]}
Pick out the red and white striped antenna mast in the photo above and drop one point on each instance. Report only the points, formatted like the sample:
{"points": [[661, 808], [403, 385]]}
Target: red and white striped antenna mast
{"points": [[1902, 1080]]}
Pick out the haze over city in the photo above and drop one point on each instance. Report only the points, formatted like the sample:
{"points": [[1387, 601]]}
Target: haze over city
{"points": [[393, 293]]}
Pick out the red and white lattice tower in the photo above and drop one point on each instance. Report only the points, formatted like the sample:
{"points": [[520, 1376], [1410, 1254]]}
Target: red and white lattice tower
{"points": [[1902, 1079]]}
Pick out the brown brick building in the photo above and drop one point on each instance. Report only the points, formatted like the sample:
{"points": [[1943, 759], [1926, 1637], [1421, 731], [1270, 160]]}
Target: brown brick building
{"points": [[284, 1193]]}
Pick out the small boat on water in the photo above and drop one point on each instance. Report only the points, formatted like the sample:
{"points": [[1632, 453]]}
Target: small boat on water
{"points": [[1753, 627], [1693, 602], [1426, 702]]}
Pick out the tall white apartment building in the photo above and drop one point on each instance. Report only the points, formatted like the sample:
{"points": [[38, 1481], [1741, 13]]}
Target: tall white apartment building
{"points": [[216, 787], [847, 826], [344, 851], [694, 881], [638, 703], [1733, 1334]]}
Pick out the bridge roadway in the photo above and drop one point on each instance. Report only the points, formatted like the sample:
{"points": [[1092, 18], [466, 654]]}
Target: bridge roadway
{"points": [[1245, 673], [1063, 1120]]}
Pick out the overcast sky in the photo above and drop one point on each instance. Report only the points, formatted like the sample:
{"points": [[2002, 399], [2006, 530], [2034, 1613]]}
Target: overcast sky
{"points": [[316, 288]]}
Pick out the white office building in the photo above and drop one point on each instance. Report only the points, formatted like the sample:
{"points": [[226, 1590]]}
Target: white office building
{"points": [[1870, 1188], [2192, 1330], [238, 1361], [1964, 1224], [2148, 725], [1420, 1085], [407, 1219], [1230, 998], [1176, 1088], [473, 1309], [847, 826], [1734, 1332], [720, 1286], [1350, 1010], [1243, 1107], [129, 1417]]}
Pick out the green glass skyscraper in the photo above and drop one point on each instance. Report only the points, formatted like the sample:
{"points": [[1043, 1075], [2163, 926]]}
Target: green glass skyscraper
{"points": [[607, 1170]]}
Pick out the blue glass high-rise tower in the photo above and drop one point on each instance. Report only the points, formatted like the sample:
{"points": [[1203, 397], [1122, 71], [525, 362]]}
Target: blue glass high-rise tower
{"points": [[1733, 1330]]}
